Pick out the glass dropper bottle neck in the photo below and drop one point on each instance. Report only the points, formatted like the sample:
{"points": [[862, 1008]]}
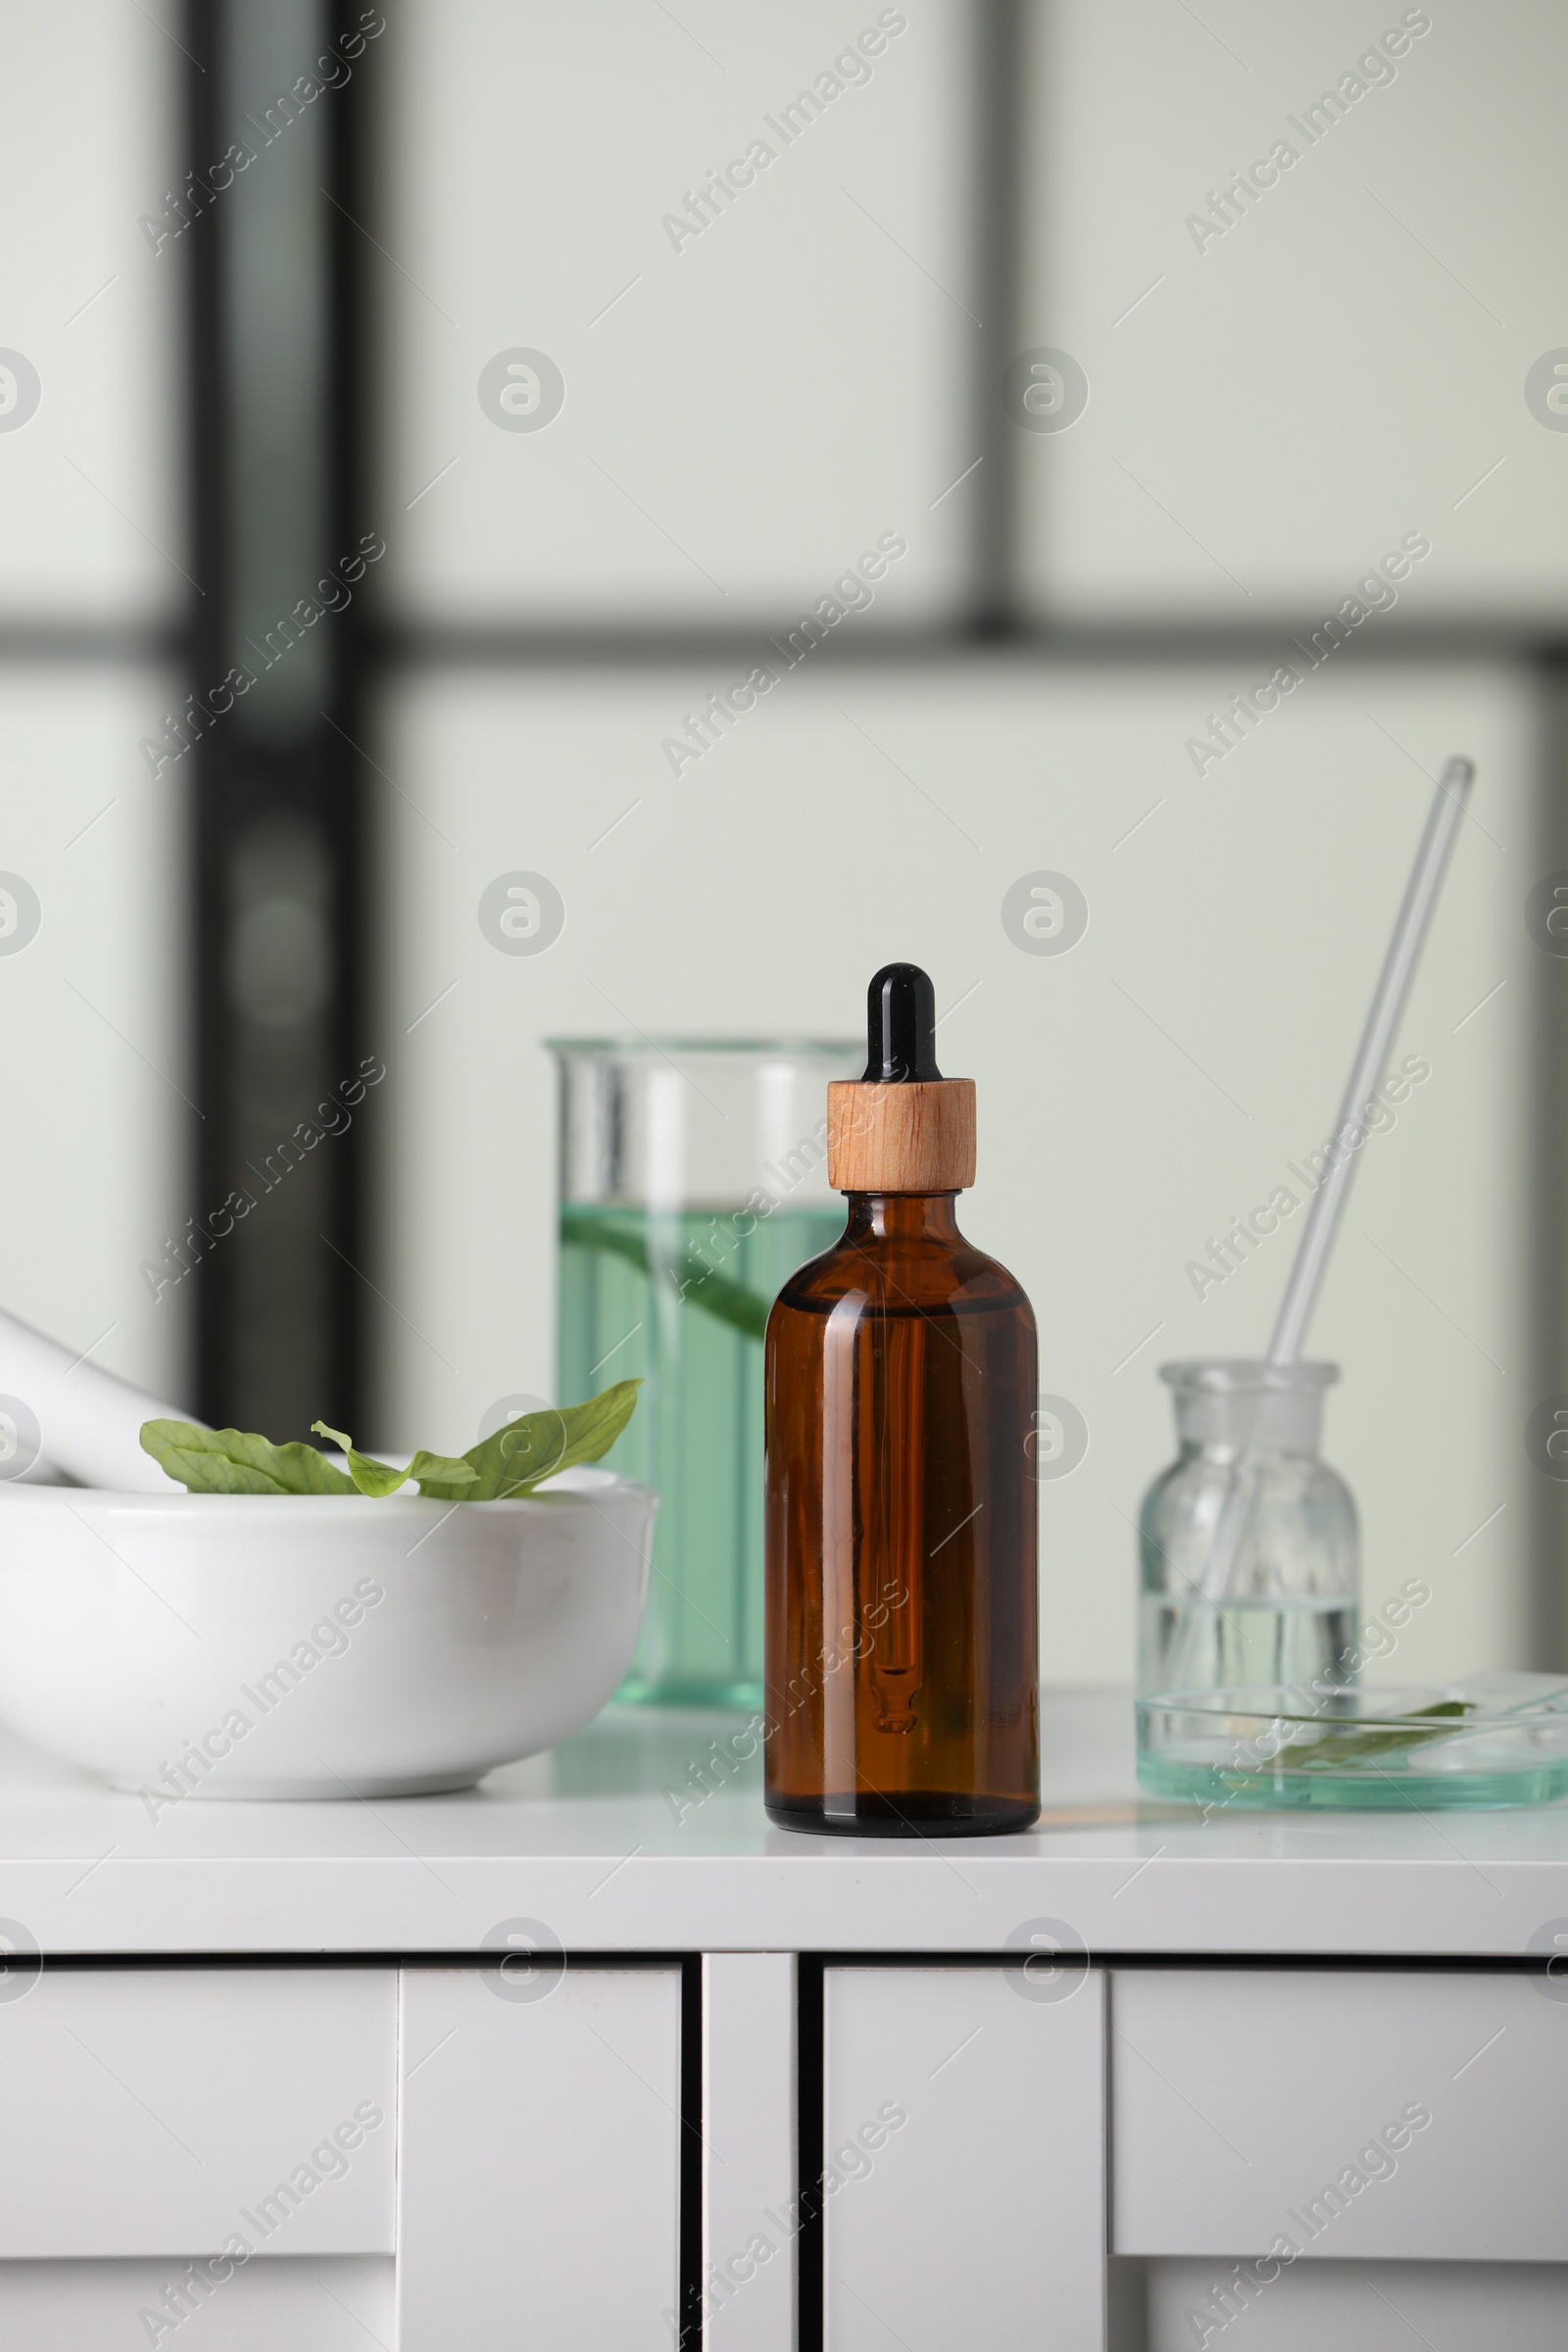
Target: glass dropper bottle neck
{"points": [[903, 1217]]}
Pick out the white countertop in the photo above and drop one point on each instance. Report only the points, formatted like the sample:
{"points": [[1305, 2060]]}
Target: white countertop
{"points": [[587, 1841]]}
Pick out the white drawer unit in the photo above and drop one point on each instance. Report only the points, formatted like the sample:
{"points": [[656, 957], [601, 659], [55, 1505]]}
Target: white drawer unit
{"points": [[159, 2111], [1022, 2150], [1352, 2112], [964, 2180], [539, 2158]]}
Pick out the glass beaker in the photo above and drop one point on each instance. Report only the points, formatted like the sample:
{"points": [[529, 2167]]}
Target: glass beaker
{"points": [[1249, 1503], [693, 1181]]}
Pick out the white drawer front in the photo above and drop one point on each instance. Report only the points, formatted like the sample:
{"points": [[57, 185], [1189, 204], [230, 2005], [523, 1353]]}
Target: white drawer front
{"points": [[164, 2111], [539, 2161], [964, 2184], [322, 2303], [1332, 2306], [1347, 2113]]}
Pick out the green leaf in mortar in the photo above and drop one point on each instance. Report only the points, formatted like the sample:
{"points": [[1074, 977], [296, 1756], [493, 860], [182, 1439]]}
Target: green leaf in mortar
{"points": [[381, 1479], [228, 1461], [536, 1445]]}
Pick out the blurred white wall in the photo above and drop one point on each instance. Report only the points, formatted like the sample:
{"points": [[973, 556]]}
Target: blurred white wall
{"points": [[92, 1019], [745, 410], [1254, 418], [90, 519], [1344, 356], [1135, 1093], [92, 1002], [746, 398]]}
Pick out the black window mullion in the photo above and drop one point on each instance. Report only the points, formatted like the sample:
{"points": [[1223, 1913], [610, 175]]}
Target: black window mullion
{"points": [[276, 486]]}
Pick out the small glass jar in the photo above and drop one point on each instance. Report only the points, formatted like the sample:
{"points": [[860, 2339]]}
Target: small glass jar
{"points": [[1249, 1545]]}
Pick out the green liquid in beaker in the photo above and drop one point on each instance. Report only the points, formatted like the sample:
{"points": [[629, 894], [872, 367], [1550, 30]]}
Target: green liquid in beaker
{"points": [[680, 1300]]}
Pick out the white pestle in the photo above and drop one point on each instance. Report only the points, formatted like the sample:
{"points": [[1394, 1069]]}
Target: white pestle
{"points": [[1234, 1515], [90, 1422]]}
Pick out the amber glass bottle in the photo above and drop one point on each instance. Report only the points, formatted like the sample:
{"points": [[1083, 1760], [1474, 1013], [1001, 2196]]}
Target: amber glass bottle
{"points": [[900, 1390]]}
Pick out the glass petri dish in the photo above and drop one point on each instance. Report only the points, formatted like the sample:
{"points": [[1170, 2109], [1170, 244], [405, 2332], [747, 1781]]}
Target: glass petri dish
{"points": [[1488, 1741]]}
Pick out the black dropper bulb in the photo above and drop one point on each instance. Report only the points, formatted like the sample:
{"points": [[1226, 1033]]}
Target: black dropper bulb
{"points": [[901, 1026]]}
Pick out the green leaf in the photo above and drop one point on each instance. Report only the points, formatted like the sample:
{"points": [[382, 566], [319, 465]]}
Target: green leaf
{"points": [[371, 1477], [228, 1461], [1346, 1749], [536, 1445], [381, 1479], [452, 1470], [731, 1302], [715, 1293]]}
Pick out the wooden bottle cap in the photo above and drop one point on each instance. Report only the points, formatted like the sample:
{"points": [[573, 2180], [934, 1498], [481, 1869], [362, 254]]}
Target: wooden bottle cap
{"points": [[914, 1136]]}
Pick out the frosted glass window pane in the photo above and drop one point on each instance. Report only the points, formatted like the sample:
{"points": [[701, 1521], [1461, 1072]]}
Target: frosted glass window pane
{"points": [[1136, 1092], [1273, 407], [747, 408], [90, 519], [92, 1017]]}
